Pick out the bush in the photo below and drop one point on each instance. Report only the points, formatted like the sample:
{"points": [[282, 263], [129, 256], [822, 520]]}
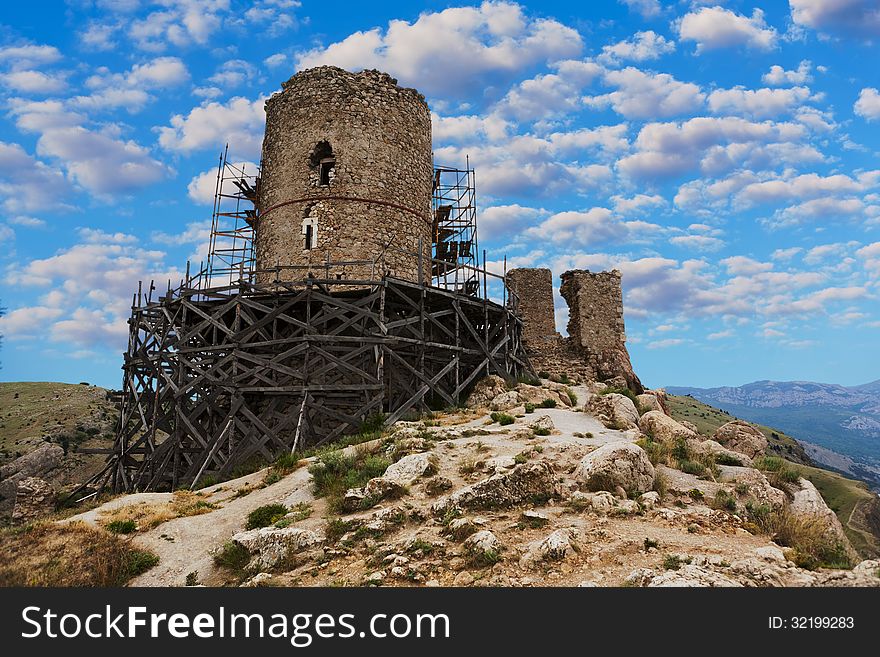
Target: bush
{"points": [[769, 463], [122, 526], [674, 562], [572, 397], [544, 374], [548, 403], [813, 547], [232, 556], [335, 473], [695, 494], [373, 423], [530, 408], [502, 418], [727, 459], [528, 380], [692, 468], [724, 501], [266, 515], [541, 431], [192, 579]]}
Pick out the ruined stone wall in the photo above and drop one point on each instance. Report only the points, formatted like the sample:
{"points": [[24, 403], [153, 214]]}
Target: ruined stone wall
{"points": [[376, 192], [595, 349]]}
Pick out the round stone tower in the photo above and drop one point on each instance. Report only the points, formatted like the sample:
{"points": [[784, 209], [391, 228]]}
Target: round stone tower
{"points": [[346, 176]]}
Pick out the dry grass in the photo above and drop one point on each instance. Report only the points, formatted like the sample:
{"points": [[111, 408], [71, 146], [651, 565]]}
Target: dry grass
{"points": [[147, 516], [813, 546], [47, 554]]}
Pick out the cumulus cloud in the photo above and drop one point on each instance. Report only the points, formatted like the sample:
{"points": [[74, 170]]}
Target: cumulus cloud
{"points": [[697, 242], [233, 73], [29, 56], [202, 187], [593, 226], [637, 204], [34, 82], [819, 209], [647, 95], [507, 220], [778, 76], [493, 41], [239, 122], [868, 104], [838, 17], [715, 27], [671, 149], [642, 46], [550, 94], [646, 8], [28, 184], [757, 103]]}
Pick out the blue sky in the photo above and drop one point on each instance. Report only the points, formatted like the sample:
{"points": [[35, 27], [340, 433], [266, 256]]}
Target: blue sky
{"points": [[722, 155]]}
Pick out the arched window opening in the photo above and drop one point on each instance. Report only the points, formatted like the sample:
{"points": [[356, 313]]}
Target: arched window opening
{"points": [[323, 159]]}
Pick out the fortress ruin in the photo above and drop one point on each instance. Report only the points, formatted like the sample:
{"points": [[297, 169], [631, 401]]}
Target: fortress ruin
{"points": [[344, 286]]}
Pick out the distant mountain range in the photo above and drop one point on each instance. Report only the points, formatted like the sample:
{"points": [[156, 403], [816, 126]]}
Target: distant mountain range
{"points": [[838, 425]]}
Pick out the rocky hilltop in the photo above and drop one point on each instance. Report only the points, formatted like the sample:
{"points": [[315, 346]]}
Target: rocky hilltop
{"points": [[531, 485], [839, 425]]}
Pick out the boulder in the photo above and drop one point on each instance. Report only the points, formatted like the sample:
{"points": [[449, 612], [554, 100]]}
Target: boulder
{"points": [[39, 462], [269, 546], [650, 499], [555, 547], [600, 502], [542, 423], [760, 491], [741, 437], [649, 402], [663, 428], [485, 391], [408, 469], [690, 575], [376, 490], [482, 548], [460, 528], [34, 498], [722, 454], [807, 503], [526, 483], [436, 485], [505, 401], [616, 464], [614, 411]]}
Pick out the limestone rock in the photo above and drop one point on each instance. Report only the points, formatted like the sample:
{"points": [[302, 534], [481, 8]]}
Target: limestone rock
{"points": [[460, 528], [483, 548], [268, 546], [534, 518], [649, 402], [542, 423], [408, 469], [464, 578], [663, 428], [376, 490], [690, 575], [526, 483], [722, 454], [807, 503], [760, 491], [650, 499], [505, 401], [38, 462], [741, 437], [485, 391], [436, 485], [500, 463], [34, 497], [614, 411], [616, 464]]}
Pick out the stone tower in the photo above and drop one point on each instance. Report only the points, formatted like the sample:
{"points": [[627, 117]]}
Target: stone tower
{"points": [[346, 176]]}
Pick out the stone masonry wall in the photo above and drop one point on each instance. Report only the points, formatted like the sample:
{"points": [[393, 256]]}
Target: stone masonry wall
{"points": [[379, 190], [596, 347]]}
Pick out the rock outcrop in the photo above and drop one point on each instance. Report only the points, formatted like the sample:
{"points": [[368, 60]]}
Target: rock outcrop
{"points": [[663, 428], [34, 498], [741, 437], [613, 410], [616, 464]]}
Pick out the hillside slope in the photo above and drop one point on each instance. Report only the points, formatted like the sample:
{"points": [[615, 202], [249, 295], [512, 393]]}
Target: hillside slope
{"points": [[839, 425], [857, 507], [71, 416]]}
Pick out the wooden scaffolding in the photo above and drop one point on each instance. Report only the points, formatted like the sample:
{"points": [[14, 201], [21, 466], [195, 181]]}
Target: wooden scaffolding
{"points": [[218, 377]]}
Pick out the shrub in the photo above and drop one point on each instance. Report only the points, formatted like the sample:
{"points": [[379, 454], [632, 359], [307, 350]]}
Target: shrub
{"points": [[724, 501], [283, 466], [742, 489], [548, 403], [192, 579], [693, 468], [266, 515], [541, 431], [528, 380], [335, 472], [727, 459], [572, 397], [122, 526], [544, 374], [660, 485], [502, 418], [530, 408], [651, 543], [769, 463], [522, 457], [626, 392], [232, 556], [813, 546], [674, 561], [373, 423], [695, 494], [657, 452]]}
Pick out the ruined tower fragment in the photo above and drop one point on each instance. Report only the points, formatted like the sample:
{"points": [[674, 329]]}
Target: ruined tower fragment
{"points": [[595, 348]]}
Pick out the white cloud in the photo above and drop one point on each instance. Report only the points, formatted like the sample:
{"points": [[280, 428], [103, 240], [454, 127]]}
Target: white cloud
{"points": [[778, 76], [28, 184], [647, 8], [507, 220], [27, 222], [593, 226], [637, 204], [642, 95], [804, 186], [179, 23], [202, 187], [549, 94], [641, 47], [757, 103], [275, 61], [27, 323], [161, 72], [34, 82], [494, 40], [819, 209], [29, 56], [720, 335], [845, 17], [716, 27], [868, 104], [697, 242], [233, 73], [463, 128], [745, 266], [239, 122]]}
